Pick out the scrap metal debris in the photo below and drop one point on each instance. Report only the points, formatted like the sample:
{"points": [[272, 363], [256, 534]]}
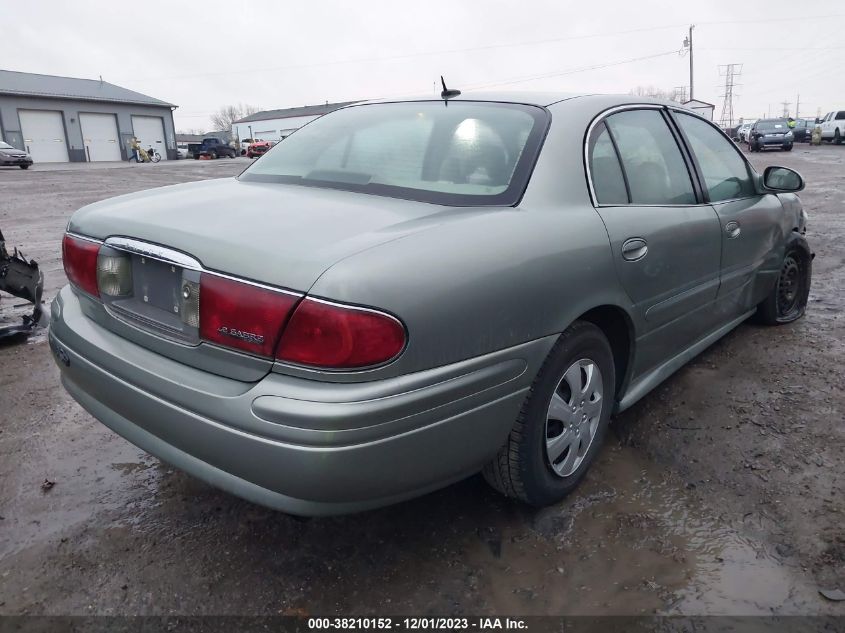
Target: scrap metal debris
{"points": [[22, 278], [47, 485], [837, 595]]}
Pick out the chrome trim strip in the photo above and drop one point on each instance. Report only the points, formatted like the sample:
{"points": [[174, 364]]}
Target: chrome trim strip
{"points": [[84, 238], [601, 116], [154, 251], [249, 282], [178, 258]]}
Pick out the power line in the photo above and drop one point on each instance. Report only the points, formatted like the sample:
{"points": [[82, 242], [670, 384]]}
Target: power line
{"points": [[571, 71], [244, 71]]}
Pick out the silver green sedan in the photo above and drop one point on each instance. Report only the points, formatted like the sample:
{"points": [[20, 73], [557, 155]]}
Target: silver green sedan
{"points": [[403, 294]]}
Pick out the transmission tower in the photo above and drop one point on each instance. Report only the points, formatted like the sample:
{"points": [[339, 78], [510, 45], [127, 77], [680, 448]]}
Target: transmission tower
{"points": [[680, 94], [786, 105], [730, 72]]}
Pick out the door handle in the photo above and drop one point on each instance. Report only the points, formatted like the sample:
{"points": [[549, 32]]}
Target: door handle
{"points": [[733, 229], [634, 249]]}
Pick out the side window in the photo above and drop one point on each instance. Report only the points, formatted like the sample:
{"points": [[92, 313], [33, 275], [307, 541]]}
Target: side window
{"points": [[605, 171], [651, 158], [840, 115], [725, 172]]}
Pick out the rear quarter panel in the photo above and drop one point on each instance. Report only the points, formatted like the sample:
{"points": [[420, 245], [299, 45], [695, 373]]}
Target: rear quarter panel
{"points": [[498, 277]]}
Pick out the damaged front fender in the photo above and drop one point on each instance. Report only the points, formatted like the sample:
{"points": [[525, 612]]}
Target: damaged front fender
{"points": [[22, 278]]}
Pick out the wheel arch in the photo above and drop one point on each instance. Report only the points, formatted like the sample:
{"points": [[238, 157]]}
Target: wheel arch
{"points": [[618, 327]]}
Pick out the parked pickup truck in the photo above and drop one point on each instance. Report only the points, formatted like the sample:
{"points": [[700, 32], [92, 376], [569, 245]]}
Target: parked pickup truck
{"points": [[212, 147], [833, 126]]}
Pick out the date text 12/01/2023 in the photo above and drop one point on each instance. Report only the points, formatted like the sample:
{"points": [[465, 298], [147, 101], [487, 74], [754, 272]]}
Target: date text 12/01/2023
{"points": [[425, 623]]}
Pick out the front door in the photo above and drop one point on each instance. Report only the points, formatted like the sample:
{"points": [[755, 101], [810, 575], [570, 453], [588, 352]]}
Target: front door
{"points": [[751, 223], [666, 243]]}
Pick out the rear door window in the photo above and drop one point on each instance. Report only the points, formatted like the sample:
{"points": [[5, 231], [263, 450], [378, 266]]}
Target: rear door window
{"points": [[724, 171], [653, 163], [840, 115], [605, 170]]}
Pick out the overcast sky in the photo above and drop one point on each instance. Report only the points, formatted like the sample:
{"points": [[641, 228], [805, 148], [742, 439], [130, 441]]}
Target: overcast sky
{"points": [[202, 55]]}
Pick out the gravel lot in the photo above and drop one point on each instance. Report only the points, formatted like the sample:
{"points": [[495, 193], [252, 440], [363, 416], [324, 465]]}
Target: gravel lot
{"points": [[720, 492]]}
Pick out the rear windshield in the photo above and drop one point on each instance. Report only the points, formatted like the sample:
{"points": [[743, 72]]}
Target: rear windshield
{"points": [[458, 153]]}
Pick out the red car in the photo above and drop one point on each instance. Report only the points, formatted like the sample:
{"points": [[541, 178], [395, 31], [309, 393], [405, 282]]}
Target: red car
{"points": [[257, 149]]}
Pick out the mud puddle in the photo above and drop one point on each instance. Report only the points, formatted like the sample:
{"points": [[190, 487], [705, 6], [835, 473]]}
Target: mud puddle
{"points": [[635, 540]]}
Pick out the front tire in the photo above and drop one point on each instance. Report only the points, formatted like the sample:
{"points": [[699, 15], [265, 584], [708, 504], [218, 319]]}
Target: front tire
{"points": [[24, 166], [562, 423], [787, 301], [837, 140]]}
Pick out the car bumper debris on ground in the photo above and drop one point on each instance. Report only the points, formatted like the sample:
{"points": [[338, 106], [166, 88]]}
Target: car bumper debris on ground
{"points": [[23, 279]]}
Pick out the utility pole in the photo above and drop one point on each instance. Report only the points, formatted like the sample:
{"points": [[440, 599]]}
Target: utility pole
{"points": [[730, 71], [688, 44], [785, 105], [797, 104]]}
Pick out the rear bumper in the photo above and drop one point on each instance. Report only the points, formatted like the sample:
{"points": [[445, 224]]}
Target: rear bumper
{"points": [[302, 446]]}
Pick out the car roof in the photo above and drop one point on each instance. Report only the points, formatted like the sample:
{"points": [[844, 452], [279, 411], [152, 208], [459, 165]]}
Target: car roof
{"points": [[526, 97]]}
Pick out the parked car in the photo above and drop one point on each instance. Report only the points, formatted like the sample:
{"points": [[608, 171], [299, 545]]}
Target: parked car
{"points": [[213, 148], [410, 293], [182, 150], [803, 130], [258, 149], [13, 157], [246, 142], [743, 131], [833, 126], [767, 133]]}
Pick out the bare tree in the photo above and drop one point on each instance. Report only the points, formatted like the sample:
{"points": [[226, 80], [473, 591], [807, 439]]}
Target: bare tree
{"points": [[657, 93], [222, 119]]}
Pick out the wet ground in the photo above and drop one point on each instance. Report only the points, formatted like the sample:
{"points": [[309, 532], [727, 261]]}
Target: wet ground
{"points": [[720, 492]]}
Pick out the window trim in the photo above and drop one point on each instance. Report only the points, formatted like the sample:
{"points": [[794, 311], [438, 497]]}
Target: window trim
{"points": [[749, 168], [605, 114]]}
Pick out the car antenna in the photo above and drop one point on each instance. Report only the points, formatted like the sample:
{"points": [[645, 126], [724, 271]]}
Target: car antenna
{"points": [[447, 93]]}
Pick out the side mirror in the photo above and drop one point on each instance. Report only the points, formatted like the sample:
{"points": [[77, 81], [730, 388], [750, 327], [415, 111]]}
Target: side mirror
{"points": [[782, 179]]}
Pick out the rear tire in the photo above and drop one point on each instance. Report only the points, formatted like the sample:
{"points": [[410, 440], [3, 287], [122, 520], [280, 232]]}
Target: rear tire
{"points": [[213, 155], [562, 423], [787, 301]]}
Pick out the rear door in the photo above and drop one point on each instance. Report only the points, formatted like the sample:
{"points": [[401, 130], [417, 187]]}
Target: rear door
{"points": [[666, 242], [150, 132], [751, 223]]}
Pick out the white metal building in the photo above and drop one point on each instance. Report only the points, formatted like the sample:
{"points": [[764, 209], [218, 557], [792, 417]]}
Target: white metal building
{"points": [[274, 125], [62, 119], [701, 107]]}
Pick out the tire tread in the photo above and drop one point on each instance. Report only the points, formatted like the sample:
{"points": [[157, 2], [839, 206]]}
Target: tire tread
{"points": [[503, 471]]}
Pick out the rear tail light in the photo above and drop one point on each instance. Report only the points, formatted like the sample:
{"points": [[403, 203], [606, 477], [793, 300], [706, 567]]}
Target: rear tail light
{"points": [[245, 316], [242, 315], [332, 336], [80, 261]]}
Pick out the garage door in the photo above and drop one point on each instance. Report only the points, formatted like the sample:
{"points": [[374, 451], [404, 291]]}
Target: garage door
{"points": [[150, 132], [99, 134], [44, 135]]}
